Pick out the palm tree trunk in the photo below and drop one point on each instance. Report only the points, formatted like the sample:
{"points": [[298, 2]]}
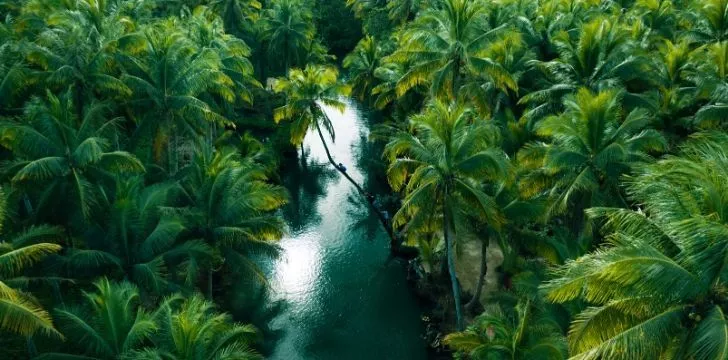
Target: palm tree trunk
{"points": [[393, 239], [303, 157], [209, 284], [451, 266], [481, 279]]}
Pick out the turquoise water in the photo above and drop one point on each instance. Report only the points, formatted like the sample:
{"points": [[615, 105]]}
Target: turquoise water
{"points": [[341, 298]]}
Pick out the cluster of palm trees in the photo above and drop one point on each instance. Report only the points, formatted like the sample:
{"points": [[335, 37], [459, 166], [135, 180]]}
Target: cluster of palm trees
{"points": [[127, 188], [559, 128]]}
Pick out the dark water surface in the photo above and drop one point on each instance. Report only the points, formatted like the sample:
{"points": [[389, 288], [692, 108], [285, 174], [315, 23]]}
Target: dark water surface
{"points": [[342, 300]]}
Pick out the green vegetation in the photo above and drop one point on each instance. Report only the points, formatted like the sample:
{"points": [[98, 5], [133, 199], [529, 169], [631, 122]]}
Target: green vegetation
{"points": [[560, 169]]}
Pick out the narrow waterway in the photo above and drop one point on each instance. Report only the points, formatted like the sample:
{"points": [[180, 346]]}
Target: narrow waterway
{"points": [[341, 298]]}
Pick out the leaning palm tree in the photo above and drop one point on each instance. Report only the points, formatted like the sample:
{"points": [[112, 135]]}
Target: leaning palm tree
{"points": [[439, 164], [307, 91], [656, 289], [20, 313], [66, 154], [589, 147], [195, 331], [231, 208]]}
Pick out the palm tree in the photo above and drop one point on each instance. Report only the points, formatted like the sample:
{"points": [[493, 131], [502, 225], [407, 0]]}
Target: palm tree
{"points": [[289, 31], [237, 15], [602, 57], [362, 64], [444, 44], [591, 145], [77, 51], [708, 21], [137, 242], [196, 331], [170, 75], [526, 334], [112, 325], [401, 11], [711, 76], [233, 52], [66, 154], [20, 312], [656, 289], [306, 92], [231, 209], [438, 165]]}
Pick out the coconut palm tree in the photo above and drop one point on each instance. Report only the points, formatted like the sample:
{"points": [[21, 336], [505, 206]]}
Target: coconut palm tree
{"points": [[289, 31], [111, 326], [362, 64], [656, 289], [590, 146], [20, 312], [237, 15], [78, 51], [709, 22], [231, 207], [495, 334], [66, 154], [137, 242], [443, 45], [438, 165], [711, 77], [194, 330], [602, 57], [170, 76], [307, 91]]}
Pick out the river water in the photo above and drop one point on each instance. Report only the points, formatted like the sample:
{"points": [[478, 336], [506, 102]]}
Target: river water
{"points": [[341, 298]]}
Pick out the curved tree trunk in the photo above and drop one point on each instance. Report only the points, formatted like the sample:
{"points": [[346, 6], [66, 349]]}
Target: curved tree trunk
{"points": [[481, 278], [451, 266], [382, 220]]}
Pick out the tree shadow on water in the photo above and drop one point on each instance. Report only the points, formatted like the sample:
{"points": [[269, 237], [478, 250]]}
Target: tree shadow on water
{"points": [[306, 186]]}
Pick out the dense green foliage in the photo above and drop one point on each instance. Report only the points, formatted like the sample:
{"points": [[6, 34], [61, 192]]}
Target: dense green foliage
{"points": [[610, 118], [130, 152], [583, 141]]}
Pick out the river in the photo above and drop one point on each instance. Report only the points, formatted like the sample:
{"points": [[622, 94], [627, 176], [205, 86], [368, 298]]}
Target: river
{"points": [[341, 298]]}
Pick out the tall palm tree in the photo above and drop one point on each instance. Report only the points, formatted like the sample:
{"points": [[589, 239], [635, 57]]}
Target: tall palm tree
{"points": [[656, 289], [362, 64], [438, 165], [170, 75], [20, 312], [194, 330], [78, 51], [603, 56], [231, 207], [444, 44], [590, 146], [306, 92], [289, 31], [66, 154]]}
